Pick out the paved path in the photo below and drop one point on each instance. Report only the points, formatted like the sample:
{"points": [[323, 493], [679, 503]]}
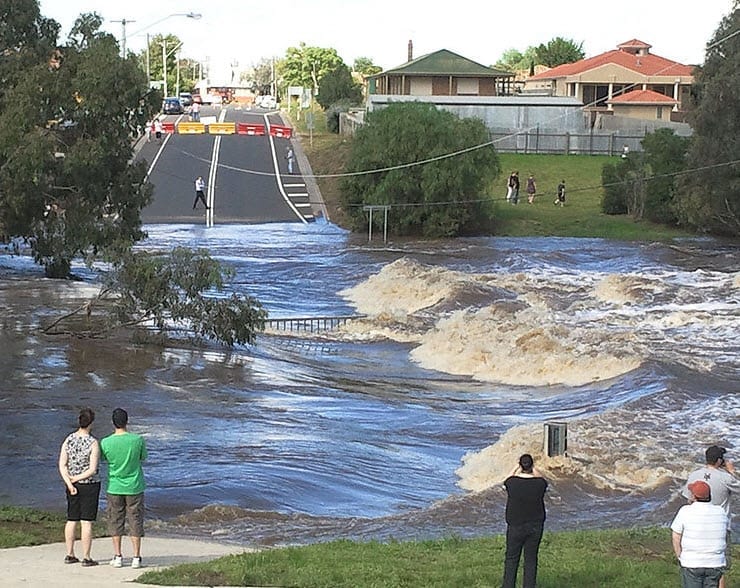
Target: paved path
{"points": [[43, 566]]}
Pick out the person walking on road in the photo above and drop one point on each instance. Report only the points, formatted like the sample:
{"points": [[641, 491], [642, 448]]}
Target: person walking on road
{"points": [[200, 187], [525, 521], [124, 453], [158, 130], [290, 156], [78, 466], [195, 112]]}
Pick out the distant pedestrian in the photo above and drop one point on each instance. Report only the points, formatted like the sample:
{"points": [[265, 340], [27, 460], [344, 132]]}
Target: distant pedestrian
{"points": [[200, 187], [148, 130], [78, 466], [560, 198], [514, 187], [699, 538], [625, 151], [290, 156], [158, 130], [124, 453], [525, 521], [531, 189], [195, 112]]}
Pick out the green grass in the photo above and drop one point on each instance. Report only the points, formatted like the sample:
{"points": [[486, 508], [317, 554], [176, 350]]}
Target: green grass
{"points": [[580, 217], [579, 559], [638, 558], [25, 526]]}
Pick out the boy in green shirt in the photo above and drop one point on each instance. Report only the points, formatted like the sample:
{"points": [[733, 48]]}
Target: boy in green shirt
{"points": [[124, 453]]}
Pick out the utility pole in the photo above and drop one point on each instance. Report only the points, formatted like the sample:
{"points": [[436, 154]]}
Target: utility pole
{"points": [[123, 22]]}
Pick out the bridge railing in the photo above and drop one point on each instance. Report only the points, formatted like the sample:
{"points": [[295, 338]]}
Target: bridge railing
{"points": [[311, 324]]}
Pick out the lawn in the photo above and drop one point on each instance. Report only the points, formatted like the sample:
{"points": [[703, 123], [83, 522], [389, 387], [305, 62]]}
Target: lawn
{"points": [[580, 217]]}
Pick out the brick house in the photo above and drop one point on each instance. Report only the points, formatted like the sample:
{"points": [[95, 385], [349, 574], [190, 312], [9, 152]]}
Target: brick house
{"points": [[629, 79]]}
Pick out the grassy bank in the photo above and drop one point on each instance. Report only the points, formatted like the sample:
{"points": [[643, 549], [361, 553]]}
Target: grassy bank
{"points": [[638, 558], [580, 217]]}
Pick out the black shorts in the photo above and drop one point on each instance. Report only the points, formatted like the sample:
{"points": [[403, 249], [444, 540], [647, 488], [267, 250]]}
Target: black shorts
{"points": [[83, 506]]}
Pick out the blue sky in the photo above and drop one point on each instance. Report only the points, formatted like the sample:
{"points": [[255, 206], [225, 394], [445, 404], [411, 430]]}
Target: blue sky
{"points": [[244, 31]]}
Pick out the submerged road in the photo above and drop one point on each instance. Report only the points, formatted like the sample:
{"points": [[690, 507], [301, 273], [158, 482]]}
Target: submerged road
{"points": [[247, 179]]}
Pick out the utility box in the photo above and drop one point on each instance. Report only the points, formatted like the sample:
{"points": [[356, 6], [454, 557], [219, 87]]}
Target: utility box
{"points": [[556, 439]]}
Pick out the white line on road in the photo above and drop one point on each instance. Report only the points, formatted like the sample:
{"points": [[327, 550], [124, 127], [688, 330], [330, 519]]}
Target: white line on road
{"points": [[211, 199]]}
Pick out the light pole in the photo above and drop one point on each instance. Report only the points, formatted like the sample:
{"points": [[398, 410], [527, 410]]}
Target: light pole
{"points": [[124, 22], [165, 55]]}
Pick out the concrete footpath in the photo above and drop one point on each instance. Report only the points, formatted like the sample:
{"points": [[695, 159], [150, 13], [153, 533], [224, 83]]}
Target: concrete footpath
{"points": [[43, 565]]}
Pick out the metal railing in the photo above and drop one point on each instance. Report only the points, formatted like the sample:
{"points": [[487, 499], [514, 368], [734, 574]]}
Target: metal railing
{"points": [[312, 324]]}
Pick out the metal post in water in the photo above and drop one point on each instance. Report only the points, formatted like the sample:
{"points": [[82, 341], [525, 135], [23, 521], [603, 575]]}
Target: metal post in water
{"points": [[556, 439]]}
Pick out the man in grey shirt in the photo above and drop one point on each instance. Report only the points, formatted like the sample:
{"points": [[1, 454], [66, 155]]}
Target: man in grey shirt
{"points": [[719, 474]]}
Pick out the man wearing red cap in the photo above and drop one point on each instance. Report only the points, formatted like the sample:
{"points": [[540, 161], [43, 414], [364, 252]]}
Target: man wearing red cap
{"points": [[699, 536], [719, 475]]}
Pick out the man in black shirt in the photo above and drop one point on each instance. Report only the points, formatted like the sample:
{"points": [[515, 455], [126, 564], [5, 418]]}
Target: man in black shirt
{"points": [[525, 519]]}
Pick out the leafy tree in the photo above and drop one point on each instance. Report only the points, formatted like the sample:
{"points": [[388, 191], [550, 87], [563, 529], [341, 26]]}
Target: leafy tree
{"points": [[26, 39], [338, 85], [643, 184], [306, 66], [665, 153], [514, 60], [169, 43], [365, 66], [559, 51], [263, 75], [184, 288], [708, 198], [614, 200], [429, 165], [66, 134]]}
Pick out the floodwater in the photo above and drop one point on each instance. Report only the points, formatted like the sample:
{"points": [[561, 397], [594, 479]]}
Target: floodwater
{"points": [[403, 423]]}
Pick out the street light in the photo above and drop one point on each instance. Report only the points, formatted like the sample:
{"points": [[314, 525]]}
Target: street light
{"points": [[165, 55]]}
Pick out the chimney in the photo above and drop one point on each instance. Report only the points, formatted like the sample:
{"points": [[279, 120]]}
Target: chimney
{"points": [[411, 50]]}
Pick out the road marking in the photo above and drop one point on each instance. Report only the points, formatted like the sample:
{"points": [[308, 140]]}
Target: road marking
{"points": [[211, 199], [287, 199]]}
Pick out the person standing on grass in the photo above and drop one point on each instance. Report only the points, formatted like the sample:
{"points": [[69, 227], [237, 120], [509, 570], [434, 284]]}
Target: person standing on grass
{"points": [[531, 189], [719, 474], [78, 466], [525, 521], [699, 538], [560, 199], [514, 187], [124, 453]]}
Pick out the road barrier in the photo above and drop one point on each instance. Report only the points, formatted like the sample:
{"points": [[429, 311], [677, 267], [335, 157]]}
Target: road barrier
{"points": [[168, 127], [250, 129], [191, 128], [222, 128], [280, 131]]}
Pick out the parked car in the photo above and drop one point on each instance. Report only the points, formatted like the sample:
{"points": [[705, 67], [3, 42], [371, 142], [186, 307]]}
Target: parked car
{"points": [[186, 99], [172, 105]]}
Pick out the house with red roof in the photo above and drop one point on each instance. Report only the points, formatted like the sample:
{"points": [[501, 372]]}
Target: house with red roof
{"points": [[628, 81]]}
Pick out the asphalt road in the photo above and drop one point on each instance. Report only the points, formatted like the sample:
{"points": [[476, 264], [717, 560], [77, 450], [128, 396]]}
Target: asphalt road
{"points": [[246, 175]]}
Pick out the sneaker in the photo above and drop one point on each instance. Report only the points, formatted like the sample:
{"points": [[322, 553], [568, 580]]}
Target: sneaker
{"points": [[88, 563], [70, 559], [136, 562], [117, 561]]}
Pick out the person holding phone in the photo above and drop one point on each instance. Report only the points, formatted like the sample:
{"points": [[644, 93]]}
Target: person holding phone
{"points": [[719, 474]]}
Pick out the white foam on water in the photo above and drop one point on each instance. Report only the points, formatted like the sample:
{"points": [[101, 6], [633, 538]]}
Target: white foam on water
{"points": [[546, 327]]}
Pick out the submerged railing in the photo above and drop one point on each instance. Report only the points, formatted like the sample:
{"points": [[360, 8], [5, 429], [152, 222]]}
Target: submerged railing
{"points": [[311, 324]]}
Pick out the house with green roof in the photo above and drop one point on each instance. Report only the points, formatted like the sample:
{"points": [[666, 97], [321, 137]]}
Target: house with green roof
{"points": [[441, 73]]}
